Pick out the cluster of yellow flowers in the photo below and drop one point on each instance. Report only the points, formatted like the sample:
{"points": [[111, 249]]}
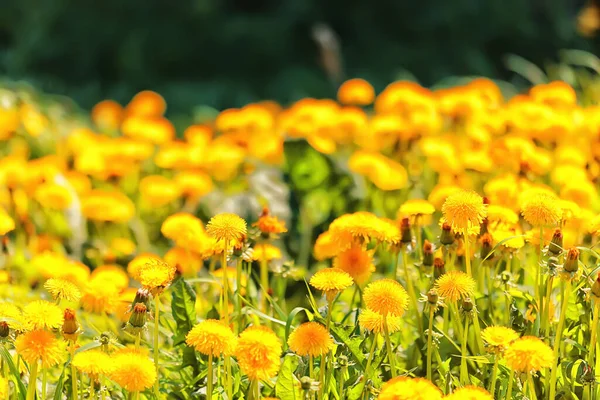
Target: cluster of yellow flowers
{"points": [[460, 264]]}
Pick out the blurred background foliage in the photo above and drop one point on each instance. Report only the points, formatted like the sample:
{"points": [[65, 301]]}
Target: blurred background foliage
{"points": [[226, 53]]}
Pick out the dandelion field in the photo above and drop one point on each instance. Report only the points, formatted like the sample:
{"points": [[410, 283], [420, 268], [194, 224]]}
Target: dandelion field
{"points": [[407, 244]]}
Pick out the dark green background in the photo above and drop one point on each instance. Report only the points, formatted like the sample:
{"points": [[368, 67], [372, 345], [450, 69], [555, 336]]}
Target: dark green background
{"points": [[226, 53]]}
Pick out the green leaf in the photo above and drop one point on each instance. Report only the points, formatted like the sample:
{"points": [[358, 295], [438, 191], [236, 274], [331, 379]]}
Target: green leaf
{"points": [[22, 390], [288, 386], [183, 309], [526, 69], [58, 390], [353, 344]]}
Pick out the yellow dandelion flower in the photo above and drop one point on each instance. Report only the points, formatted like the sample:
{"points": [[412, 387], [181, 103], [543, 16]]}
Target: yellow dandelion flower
{"points": [[52, 195], [186, 262], [440, 193], [331, 281], [112, 274], [418, 210], [93, 363], [180, 224], [12, 315], [156, 274], [373, 321], [497, 338], [227, 227], [464, 211], [470, 393], [269, 224], [7, 224], [135, 266], [500, 215], [258, 353], [61, 289], [267, 251], [455, 285], [310, 339], [40, 345], [212, 337], [405, 388], [41, 314], [540, 208], [99, 297], [133, 371], [357, 262], [570, 210], [327, 247], [529, 354], [361, 227], [594, 225], [387, 297]]}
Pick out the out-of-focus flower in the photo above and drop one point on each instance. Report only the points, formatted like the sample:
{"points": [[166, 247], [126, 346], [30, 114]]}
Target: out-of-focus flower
{"points": [[258, 353], [158, 191], [529, 354], [357, 262], [405, 388], [99, 205], [61, 289], [40, 345], [356, 92]]}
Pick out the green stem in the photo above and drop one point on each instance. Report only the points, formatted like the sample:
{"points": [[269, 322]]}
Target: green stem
{"points": [[311, 363], [255, 390], [477, 329], [430, 342], [531, 385], [138, 339], [545, 315], [238, 300], [411, 292], [209, 378], [456, 320], [264, 282], [102, 397], [44, 382], [156, 331], [228, 381], [341, 382], [322, 369], [464, 371], [558, 338], [388, 343], [371, 354], [92, 389], [594, 334], [511, 379], [468, 254], [446, 317], [225, 309], [74, 382], [490, 290], [31, 389], [494, 376]]}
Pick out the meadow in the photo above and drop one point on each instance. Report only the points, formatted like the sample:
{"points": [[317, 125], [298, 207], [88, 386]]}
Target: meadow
{"points": [[408, 244]]}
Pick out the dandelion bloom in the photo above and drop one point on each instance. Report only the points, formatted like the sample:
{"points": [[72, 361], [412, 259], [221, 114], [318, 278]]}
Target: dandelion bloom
{"points": [[541, 208], [269, 224], [41, 314], [12, 315], [470, 393], [327, 247], [498, 337], [310, 339], [529, 354], [357, 262], [53, 196], [415, 208], [134, 267], [61, 289], [266, 251], [359, 227], [258, 353], [455, 285], [331, 281], [464, 210], [133, 371], [158, 191], [226, 226], [387, 297], [212, 337], [112, 275], [99, 297], [356, 92], [6, 222], [99, 205], [93, 363], [405, 388], [374, 321], [156, 274], [40, 345]]}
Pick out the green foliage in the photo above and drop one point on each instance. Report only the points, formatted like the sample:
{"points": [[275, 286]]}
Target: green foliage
{"points": [[184, 312]]}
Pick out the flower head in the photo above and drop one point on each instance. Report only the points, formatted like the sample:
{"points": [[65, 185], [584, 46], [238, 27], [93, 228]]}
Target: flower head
{"points": [[7, 224], [498, 338], [226, 226], [386, 297], [212, 337], [269, 224], [133, 371], [331, 281], [415, 208], [61, 289], [156, 274], [99, 297], [310, 338], [266, 251], [405, 388], [41, 314], [455, 285], [40, 345], [464, 210], [258, 353], [357, 262], [529, 354], [541, 208], [470, 393], [374, 321], [12, 315], [93, 363]]}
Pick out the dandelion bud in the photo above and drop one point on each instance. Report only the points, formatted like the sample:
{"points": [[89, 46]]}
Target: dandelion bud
{"points": [[406, 237], [439, 268], [447, 237], [505, 277], [138, 316], [467, 304], [141, 296], [427, 253], [4, 329], [555, 246], [70, 326], [486, 245], [572, 260], [596, 287], [432, 297]]}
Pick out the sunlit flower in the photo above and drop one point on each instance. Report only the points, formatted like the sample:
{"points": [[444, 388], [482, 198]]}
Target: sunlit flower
{"points": [[61, 289], [327, 247], [156, 274], [40, 345], [500, 215], [470, 393], [405, 388], [158, 190], [99, 297], [93, 363], [6, 222], [455, 285], [498, 338], [112, 274], [357, 262], [541, 208], [185, 261], [310, 339], [464, 210], [52, 195], [374, 321], [356, 92], [529, 354], [12, 315], [269, 224], [212, 337], [107, 206], [331, 281], [41, 314], [266, 251], [386, 296], [133, 371], [416, 208], [227, 227], [134, 267], [258, 353]]}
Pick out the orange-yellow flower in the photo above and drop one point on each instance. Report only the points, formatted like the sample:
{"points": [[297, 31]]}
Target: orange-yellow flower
{"points": [[470, 393], [258, 353], [212, 337], [310, 339], [455, 285], [405, 388], [269, 224], [331, 281], [357, 262], [93, 363], [356, 92], [529, 354], [374, 321], [227, 227], [40, 345], [497, 338], [386, 297], [464, 211], [41, 314], [541, 208], [133, 371]]}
